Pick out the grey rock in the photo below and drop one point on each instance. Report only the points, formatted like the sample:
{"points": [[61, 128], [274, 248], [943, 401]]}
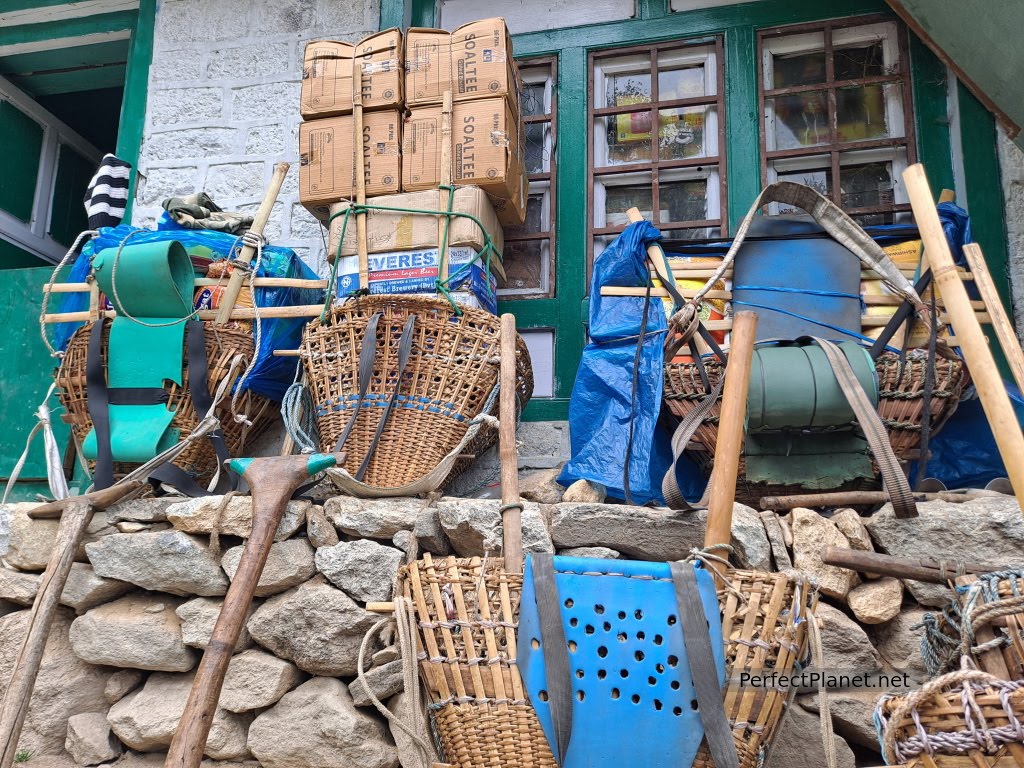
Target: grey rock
{"points": [[121, 683], [876, 602], [319, 530], [845, 644], [406, 544], [851, 525], [384, 681], [812, 533], [153, 510], [289, 563], [166, 561], [798, 743], [65, 686], [90, 740], [899, 643], [585, 492], [130, 526], [430, 535], [474, 526], [86, 589], [365, 569], [776, 540], [31, 541], [19, 587], [318, 725], [540, 486], [204, 514], [385, 655], [138, 631], [852, 715], [197, 619], [986, 530], [146, 719], [641, 533], [256, 680], [601, 553], [314, 625], [749, 540], [373, 518], [401, 707]]}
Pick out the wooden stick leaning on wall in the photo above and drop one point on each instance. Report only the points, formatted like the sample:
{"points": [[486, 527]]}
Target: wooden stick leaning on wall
{"points": [[446, 181], [511, 514], [359, 169], [971, 339], [248, 252], [994, 306]]}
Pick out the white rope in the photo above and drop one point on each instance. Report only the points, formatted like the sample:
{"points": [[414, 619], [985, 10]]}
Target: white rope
{"points": [[49, 287], [256, 241], [54, 465]]}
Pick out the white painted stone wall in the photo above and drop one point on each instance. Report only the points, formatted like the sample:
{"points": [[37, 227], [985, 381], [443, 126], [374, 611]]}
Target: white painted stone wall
{"points": [[224, 104], [1011, 164]]}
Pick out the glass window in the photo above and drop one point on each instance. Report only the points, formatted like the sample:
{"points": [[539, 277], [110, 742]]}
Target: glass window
{"points": [[657, 140], [529, 249], [836, 114]]}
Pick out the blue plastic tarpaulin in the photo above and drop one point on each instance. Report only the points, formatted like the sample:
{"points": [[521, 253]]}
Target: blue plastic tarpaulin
{"points": [[604, 401]]}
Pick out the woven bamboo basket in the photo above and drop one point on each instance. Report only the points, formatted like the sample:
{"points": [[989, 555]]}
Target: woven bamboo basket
{"points": [[965, 719], [449, 380], [199, 459]]}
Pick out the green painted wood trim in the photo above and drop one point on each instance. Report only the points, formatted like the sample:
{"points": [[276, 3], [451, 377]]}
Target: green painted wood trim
{"points": [[547, 409], [55, 83], [395, 13], [115, 52], [422, 13], [136, 86], [69, 28], [743, 150], [931, 115], [25, 5], [652, 9]]}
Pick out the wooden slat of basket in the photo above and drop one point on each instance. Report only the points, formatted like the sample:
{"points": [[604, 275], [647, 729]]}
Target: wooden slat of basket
{"points": [[446, 634], [437, 680], [483, 604], [511, 642], [768, 715], [467, 634]]}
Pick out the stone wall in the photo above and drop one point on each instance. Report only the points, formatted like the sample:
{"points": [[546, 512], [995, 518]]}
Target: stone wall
{"points": [[224, 104], [1011, 166]]}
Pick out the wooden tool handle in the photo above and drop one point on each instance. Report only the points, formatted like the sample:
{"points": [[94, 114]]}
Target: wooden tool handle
{"points": [[994, 306], [511, 516], [932, 571], [730, 430], [980, 363], [654, 252], [245, 256]]}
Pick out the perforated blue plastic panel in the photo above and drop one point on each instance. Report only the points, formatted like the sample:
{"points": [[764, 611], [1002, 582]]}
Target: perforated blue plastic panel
{"points": [[633, 697]]}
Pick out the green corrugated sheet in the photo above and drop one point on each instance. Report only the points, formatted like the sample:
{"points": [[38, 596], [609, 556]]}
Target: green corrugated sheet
{"points": [[21, 141]]}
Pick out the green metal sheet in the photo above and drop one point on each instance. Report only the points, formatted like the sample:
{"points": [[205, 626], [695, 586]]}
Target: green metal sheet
{"points": [[13, 257], [67, 213], [21, 141]]}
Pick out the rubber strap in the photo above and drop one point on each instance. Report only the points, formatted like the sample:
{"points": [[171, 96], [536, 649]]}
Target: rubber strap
{"points": [[926, 398], [893, 478], [556, 651], [404, 347], [366, 357], [137, 396], [701, 659], [99, 407], [902, 314]]}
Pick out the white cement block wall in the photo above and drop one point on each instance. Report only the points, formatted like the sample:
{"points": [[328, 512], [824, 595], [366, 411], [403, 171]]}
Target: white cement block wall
{"points": [[224, 104], [1011, 166]]}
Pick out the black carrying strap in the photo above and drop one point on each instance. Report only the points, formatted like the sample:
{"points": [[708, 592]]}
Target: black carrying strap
{"points": [[701, 659], [404, 348], [366, 357], [556, 652], [685, 431], [99, 407], [904, 312]]}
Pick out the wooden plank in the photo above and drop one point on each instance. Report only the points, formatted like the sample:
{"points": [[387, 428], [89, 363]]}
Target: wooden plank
{"points": [[18, 12], [26, 38], [1001, 322], [74, 81], [115, 51]]}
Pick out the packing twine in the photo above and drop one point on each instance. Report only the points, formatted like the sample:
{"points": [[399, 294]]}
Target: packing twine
{"points": [[90, 233], [975, 734], [54, 469], [257, 241]]}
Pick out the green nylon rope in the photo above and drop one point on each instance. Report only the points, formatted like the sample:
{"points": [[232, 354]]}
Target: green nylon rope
{"points": [[443, 286]]}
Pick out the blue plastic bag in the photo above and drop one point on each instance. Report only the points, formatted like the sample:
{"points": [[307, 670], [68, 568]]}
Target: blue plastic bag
{"points": [[603, 400], [271, 375]]}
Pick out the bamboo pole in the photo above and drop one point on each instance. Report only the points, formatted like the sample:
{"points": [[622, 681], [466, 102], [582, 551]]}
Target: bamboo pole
{"points": [[446, 181], [511, 515], [1000, 322], [203, 282], [359, 169], [978, 356]]}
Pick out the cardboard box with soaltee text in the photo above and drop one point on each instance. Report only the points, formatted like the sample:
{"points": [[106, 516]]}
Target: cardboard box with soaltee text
{"points": [[328, 162], [487, 152], [328, 69], [473, 62]]}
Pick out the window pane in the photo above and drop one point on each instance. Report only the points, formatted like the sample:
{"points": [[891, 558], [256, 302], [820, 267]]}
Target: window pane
{"points": [[684, 201], [687, 132], [797, 120], [813, 172], [797, 60], [538, 147], [532, 99], [620, 198], [691, 233], [537, 216], [858, 61], [626, 81], [527, 264], [870, 179], [869, 112], [623, 139]]}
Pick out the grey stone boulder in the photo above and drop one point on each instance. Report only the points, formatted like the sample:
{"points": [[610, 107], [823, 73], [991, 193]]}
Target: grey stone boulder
{"points": [[31, 541], [315, 625], [18, 587], [256, 680], [845, 644], [365, 569], [429, 533], [165, 561], [198, 617], [749, 540], [373, 518], [639, 533], [812, 533], [86, 589], [585, 492], [852, 715], [877, 601], [319, 530], [899, 643], [65, 686], [90, 740], [203, 515], [121, 683], [541, 486], [777, 540], [152, 510], [146, 719], [289, 563], [474, 526], [985, 530], [600, 553], [318, 725], [384, 681], [798, 744], [138, 631]]}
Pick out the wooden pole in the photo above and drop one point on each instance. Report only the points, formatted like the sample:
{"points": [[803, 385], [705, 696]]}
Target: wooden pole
{"points": [[980, 363], [937, 571], [359, 169], [511, 516], [446, 181], [730, 430], [864, 498], [248, 252], [994, 306]]}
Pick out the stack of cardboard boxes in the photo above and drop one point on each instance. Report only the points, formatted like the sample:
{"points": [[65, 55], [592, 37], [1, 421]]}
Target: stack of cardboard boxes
{"points": [[403, 87]]}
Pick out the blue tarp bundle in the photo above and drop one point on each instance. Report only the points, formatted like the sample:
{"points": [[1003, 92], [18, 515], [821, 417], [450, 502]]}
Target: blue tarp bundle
{"points": [[272, 375]]}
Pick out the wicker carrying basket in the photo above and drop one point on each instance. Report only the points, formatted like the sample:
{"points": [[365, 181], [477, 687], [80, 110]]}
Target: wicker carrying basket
{"points": [[467, 611], [223, 344], [449, 380]]}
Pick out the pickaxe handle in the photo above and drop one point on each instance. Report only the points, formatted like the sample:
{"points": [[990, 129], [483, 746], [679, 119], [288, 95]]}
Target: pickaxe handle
{"points": [[273, 480]]}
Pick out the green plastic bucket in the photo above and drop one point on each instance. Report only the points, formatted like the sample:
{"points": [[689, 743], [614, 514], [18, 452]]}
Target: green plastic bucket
{"points": [[153, 280]]}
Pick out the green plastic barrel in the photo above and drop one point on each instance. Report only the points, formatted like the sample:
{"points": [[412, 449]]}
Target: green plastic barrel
{"points": [[793, 387], [153, 280]]}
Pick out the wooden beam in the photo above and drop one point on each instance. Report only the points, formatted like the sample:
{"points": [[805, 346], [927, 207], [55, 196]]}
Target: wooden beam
{"points": [[43, 37], [21, 12], [59, 43]]}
